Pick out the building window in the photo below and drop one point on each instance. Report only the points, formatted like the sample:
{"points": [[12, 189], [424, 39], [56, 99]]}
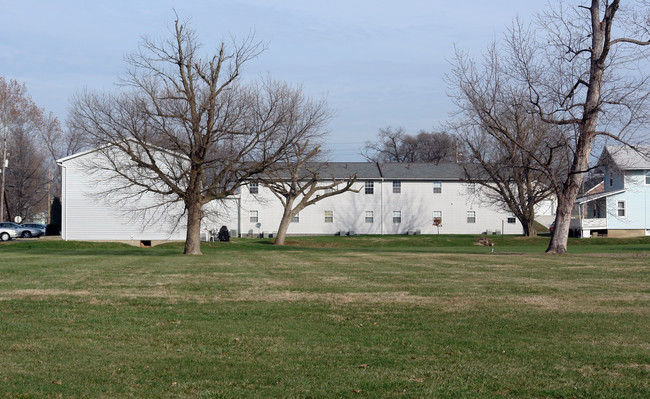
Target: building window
{"points": [[611, 179], [647, 177], [397, 216], [329, 216], [370, 217], [253, 188], [620, 209], [397, 187], [254, 217], [471, 216], [437, 187], [370, 187], [296, 219], [511, 218], [437, 218], [471, 188]]}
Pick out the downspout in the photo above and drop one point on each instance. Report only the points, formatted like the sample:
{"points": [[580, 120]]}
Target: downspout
{"points": [[582, 220], [64, 199], [381, 198], [239, 216]]}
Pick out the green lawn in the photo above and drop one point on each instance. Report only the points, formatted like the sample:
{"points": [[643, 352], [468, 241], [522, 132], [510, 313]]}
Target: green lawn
{"points": [[407, 317]]}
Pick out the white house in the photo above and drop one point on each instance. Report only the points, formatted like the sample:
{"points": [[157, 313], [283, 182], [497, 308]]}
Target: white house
{"points": [[90, 212], [388, 199], [620, 207]]}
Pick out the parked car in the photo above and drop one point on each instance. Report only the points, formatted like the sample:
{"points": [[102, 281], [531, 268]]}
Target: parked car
{"points": [[7, 232], [24, 232], [35, 229]]}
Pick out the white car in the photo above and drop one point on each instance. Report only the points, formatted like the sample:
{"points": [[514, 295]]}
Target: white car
{"points": [[32, 230], [7, 232], [24, 232]]}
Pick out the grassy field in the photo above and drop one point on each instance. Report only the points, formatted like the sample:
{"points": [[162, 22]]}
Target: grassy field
{"points": [[351, 317]]}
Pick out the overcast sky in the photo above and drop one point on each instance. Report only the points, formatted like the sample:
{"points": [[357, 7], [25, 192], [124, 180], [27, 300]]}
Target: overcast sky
{"points": [[378, 63]]}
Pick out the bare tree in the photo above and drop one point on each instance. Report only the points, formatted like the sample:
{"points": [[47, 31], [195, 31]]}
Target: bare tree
{"points": [[388, 147], [189, 130], [589, 73], [585, 81], [395, 145], [299, 181], [26, 177], [515, 157]]}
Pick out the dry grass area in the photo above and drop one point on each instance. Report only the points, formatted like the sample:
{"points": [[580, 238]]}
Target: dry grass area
{"points": [[324, 323], [381, 279]]}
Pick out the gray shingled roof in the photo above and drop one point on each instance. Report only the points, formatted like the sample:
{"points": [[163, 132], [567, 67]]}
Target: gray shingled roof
{"points": [[390, 171], [422, 171], [627, 158], [343, 170]]}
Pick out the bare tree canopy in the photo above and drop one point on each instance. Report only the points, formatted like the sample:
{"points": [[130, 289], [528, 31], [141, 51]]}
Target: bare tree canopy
{"points": [[584, 68], [515, 157], [30, 163], [592, 76], [218, 130], [395, 145], [299, 181]]}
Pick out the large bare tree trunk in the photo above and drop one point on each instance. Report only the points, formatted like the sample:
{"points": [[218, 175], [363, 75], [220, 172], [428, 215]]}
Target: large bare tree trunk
{"points": [[529, 228], [193, 238], [287, 215], [566, 200], [599, 50]]}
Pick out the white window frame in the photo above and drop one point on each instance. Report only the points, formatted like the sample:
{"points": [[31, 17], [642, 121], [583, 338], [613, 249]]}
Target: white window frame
{"points": [[397, 187], [370, 217], [647, 177], [511, 219], [619, 208], [471, 217], [370, 187], [397, 217], [437, 215], [254, 188], [329, 216], [254, 216], [296, 218], [437, 187], [471, 188]]}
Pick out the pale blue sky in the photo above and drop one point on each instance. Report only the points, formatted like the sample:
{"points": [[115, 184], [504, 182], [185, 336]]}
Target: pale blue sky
{"points": [[378, 63]]}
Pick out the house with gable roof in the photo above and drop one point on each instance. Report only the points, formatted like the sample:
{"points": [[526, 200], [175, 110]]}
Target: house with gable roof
{"points": [[387, 199], [620, 207]]}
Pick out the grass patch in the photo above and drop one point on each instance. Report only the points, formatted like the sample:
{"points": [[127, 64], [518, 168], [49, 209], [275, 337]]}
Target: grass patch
{"points": [[326, 317]]}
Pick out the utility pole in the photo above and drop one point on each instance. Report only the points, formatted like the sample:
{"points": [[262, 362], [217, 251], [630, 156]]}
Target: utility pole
{"points": [[49, 200], [4, 168]]}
